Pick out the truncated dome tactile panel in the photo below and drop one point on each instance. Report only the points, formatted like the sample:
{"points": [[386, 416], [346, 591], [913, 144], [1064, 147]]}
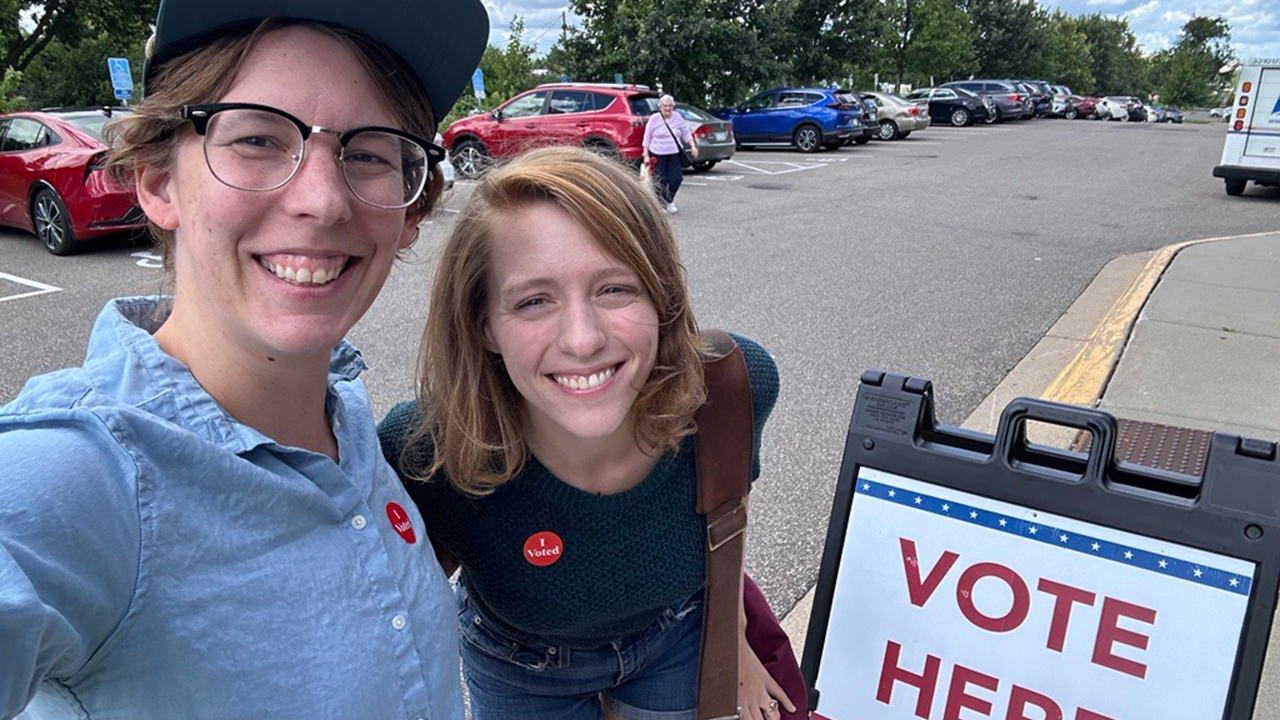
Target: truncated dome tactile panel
{"points": [[1163, 447]]}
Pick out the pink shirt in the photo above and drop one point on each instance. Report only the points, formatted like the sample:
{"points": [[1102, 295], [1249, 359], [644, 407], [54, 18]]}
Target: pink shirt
{"points": [[656, 138]]}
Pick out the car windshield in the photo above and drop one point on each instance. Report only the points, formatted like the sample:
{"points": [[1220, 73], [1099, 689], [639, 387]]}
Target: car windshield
{"points": [[693, 114], [896, 98], [845, 98], [918, 95], [91, 123]]}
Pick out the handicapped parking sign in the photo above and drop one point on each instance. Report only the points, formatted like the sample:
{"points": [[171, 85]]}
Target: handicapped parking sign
{"points": [[121, 78]]}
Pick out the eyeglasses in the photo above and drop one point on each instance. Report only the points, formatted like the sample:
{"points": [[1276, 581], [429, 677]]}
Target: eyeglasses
{"points": [[259, 148]]}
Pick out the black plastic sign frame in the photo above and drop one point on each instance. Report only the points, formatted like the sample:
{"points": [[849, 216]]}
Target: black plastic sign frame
{"points": [[1233, 510]]}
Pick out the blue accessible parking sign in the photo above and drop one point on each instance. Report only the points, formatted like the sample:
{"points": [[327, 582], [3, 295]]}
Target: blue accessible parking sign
{"points": [[121, 78]]}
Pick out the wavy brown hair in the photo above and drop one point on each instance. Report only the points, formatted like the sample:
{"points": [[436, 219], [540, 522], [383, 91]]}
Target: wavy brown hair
{"points": [[468, 409], [149, 135]]}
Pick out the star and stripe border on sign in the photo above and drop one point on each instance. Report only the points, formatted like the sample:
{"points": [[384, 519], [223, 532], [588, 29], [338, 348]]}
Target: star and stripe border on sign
{"points": [[1047, 534]]}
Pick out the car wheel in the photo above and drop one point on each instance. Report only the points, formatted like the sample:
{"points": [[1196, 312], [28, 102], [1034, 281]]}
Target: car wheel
{"points": [[1072, 114], [960, 117], [704, 165], [1235, 186], [602, 147], [807, 139], [52, 223], [470, 158], [888, 130]]}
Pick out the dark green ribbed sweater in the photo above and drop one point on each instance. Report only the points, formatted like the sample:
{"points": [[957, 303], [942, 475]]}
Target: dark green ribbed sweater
{"points": [[625, 557]]}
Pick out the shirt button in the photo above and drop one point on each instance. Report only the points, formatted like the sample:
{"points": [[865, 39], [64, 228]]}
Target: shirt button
{"points": [[551, 651], [358, 522], [398, 622]]}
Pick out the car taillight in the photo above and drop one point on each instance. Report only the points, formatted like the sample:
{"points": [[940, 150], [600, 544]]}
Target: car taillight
{"points": [[702, 130], [1240, 113], [913, 110], [1244, 100], [1239, 125], [1015, 97], [96, 163]]}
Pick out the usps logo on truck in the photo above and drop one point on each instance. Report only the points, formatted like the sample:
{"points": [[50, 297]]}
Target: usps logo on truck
{"points": [[952, 605]]}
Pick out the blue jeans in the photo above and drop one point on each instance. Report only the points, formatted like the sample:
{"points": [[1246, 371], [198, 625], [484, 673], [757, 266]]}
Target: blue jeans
{"points": [[669, 175], [651, 675]]}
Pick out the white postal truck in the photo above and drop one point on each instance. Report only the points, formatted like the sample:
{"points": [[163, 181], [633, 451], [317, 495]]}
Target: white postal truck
{"points": [[1252, 149]]}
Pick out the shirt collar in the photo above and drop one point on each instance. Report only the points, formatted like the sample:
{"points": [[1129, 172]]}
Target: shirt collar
{"points": [[127, 364]]}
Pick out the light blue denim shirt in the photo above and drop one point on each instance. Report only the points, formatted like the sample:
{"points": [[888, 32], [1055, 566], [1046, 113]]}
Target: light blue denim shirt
{"points": [[159, 559]]}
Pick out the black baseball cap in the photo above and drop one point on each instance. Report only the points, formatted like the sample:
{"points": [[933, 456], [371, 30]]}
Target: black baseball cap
{"points": [[441, 41]]}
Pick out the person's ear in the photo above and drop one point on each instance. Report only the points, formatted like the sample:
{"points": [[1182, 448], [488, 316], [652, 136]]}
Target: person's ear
{"points": [[489, 343], [156, 195], [410, 232]]}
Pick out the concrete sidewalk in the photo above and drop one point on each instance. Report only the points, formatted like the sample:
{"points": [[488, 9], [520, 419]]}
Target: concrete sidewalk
{"points": [[1188, 335]]}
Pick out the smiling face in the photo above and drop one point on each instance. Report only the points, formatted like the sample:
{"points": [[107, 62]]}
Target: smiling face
{"points": [[666, 107], [285, 272], [576, 329]]}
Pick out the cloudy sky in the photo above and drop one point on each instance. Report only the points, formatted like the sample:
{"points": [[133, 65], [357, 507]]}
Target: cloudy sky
{"points": [[1255, 24]]}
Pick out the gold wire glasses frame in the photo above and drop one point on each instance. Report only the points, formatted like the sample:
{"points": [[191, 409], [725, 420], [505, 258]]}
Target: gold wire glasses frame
{"points": [[258, 148]]}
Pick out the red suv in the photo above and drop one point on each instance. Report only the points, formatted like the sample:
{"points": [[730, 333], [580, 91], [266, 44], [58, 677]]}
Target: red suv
{"points": [[608, 118]]}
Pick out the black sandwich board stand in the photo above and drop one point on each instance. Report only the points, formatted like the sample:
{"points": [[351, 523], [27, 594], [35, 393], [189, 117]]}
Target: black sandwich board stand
{"points": [[967, 576]]}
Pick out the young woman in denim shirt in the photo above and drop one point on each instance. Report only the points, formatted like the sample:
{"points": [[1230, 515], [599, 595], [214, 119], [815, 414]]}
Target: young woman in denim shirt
{"points": [[198, 522], [561, 368]]}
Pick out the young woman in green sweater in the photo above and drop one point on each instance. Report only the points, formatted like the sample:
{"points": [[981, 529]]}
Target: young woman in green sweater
{"points": [[550, 448]]}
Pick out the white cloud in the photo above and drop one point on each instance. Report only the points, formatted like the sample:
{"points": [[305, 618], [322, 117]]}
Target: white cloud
{"points": [[1141, 10]]}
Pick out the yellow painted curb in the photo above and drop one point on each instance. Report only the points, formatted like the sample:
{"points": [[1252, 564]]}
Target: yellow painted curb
{"points": [[1081, 382]]}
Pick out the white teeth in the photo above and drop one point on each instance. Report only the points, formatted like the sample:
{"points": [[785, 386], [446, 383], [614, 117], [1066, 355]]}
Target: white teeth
{"points": [[579, 382], [304, 276]]}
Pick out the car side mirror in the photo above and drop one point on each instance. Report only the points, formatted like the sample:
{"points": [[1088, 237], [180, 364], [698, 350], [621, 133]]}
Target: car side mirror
{"points": [[497, 115]]}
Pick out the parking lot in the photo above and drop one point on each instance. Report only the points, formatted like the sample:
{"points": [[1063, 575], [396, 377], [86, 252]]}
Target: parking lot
{"points": [[945, 255]]}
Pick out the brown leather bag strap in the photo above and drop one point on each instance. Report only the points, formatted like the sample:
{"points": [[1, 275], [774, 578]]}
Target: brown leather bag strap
{"points": [[722, 450]]}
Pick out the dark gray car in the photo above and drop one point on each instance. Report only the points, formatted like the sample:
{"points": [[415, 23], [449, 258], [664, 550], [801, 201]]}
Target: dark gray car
{"points": [[713, 136], [1010, 101]]}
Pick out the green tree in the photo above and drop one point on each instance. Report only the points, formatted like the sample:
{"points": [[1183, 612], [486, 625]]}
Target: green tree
{"points": [[1067, 50], [1187, 73], [827, 39], [1117, 66], [70, 22], [1009, 38], [507, 71], [706, 52], [931, 39], [77, 74], [9, 99]]}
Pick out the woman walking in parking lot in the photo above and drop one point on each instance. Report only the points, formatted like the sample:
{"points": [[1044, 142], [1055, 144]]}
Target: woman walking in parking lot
{"points": [[198, 521], [661, 141]]}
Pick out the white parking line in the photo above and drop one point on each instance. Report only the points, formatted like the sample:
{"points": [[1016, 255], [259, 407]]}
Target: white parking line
{"points": [[40, 288], [792, 167]]}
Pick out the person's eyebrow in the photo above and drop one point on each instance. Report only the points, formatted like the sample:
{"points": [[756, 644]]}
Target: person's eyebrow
{"points": [[520, 287]]}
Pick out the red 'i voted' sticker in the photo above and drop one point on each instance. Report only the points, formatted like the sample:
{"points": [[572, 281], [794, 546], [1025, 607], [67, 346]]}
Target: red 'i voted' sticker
{"points": [[400, 521], [543, 548]]}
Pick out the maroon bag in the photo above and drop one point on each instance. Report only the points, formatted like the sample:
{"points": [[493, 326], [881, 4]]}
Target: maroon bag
{"points": [[723, 460], [770, 643]]}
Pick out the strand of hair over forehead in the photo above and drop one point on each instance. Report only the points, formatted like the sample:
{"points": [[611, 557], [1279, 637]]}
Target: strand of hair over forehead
{"points": [[580, 183]]}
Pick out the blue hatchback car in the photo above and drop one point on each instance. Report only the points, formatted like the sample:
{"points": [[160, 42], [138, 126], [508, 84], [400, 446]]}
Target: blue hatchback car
{"points": [[808, 118]]}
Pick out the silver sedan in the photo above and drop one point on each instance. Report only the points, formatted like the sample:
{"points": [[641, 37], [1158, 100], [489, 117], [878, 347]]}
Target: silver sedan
{"points": [[898, 117], [713, 136]]}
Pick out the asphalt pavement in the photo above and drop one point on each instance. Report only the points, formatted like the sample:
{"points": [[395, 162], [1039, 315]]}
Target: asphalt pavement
{"points": [[949, 255]]}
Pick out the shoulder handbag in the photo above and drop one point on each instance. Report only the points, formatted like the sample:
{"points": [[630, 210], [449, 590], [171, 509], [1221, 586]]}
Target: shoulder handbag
{"points": [[685, 161], [722, 449]]}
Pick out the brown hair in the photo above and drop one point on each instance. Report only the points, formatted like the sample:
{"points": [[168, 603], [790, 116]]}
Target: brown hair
{"points": [[467, 404], [150, 134]]}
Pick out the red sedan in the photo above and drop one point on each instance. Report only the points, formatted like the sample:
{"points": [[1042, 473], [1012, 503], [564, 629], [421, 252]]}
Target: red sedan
{"points": [[1082, 106], [51, 179]]}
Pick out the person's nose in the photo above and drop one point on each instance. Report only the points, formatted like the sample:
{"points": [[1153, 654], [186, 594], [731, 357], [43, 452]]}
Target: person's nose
{"points": [[318, 190], [582, 331]]}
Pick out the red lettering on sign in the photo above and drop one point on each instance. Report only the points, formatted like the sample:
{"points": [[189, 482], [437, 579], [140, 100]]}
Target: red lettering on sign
{"points": [[1065, 596], [958, 697], [1017, 611], [1021, 698], [925, 682], [919, 591], [1110, 633]]}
